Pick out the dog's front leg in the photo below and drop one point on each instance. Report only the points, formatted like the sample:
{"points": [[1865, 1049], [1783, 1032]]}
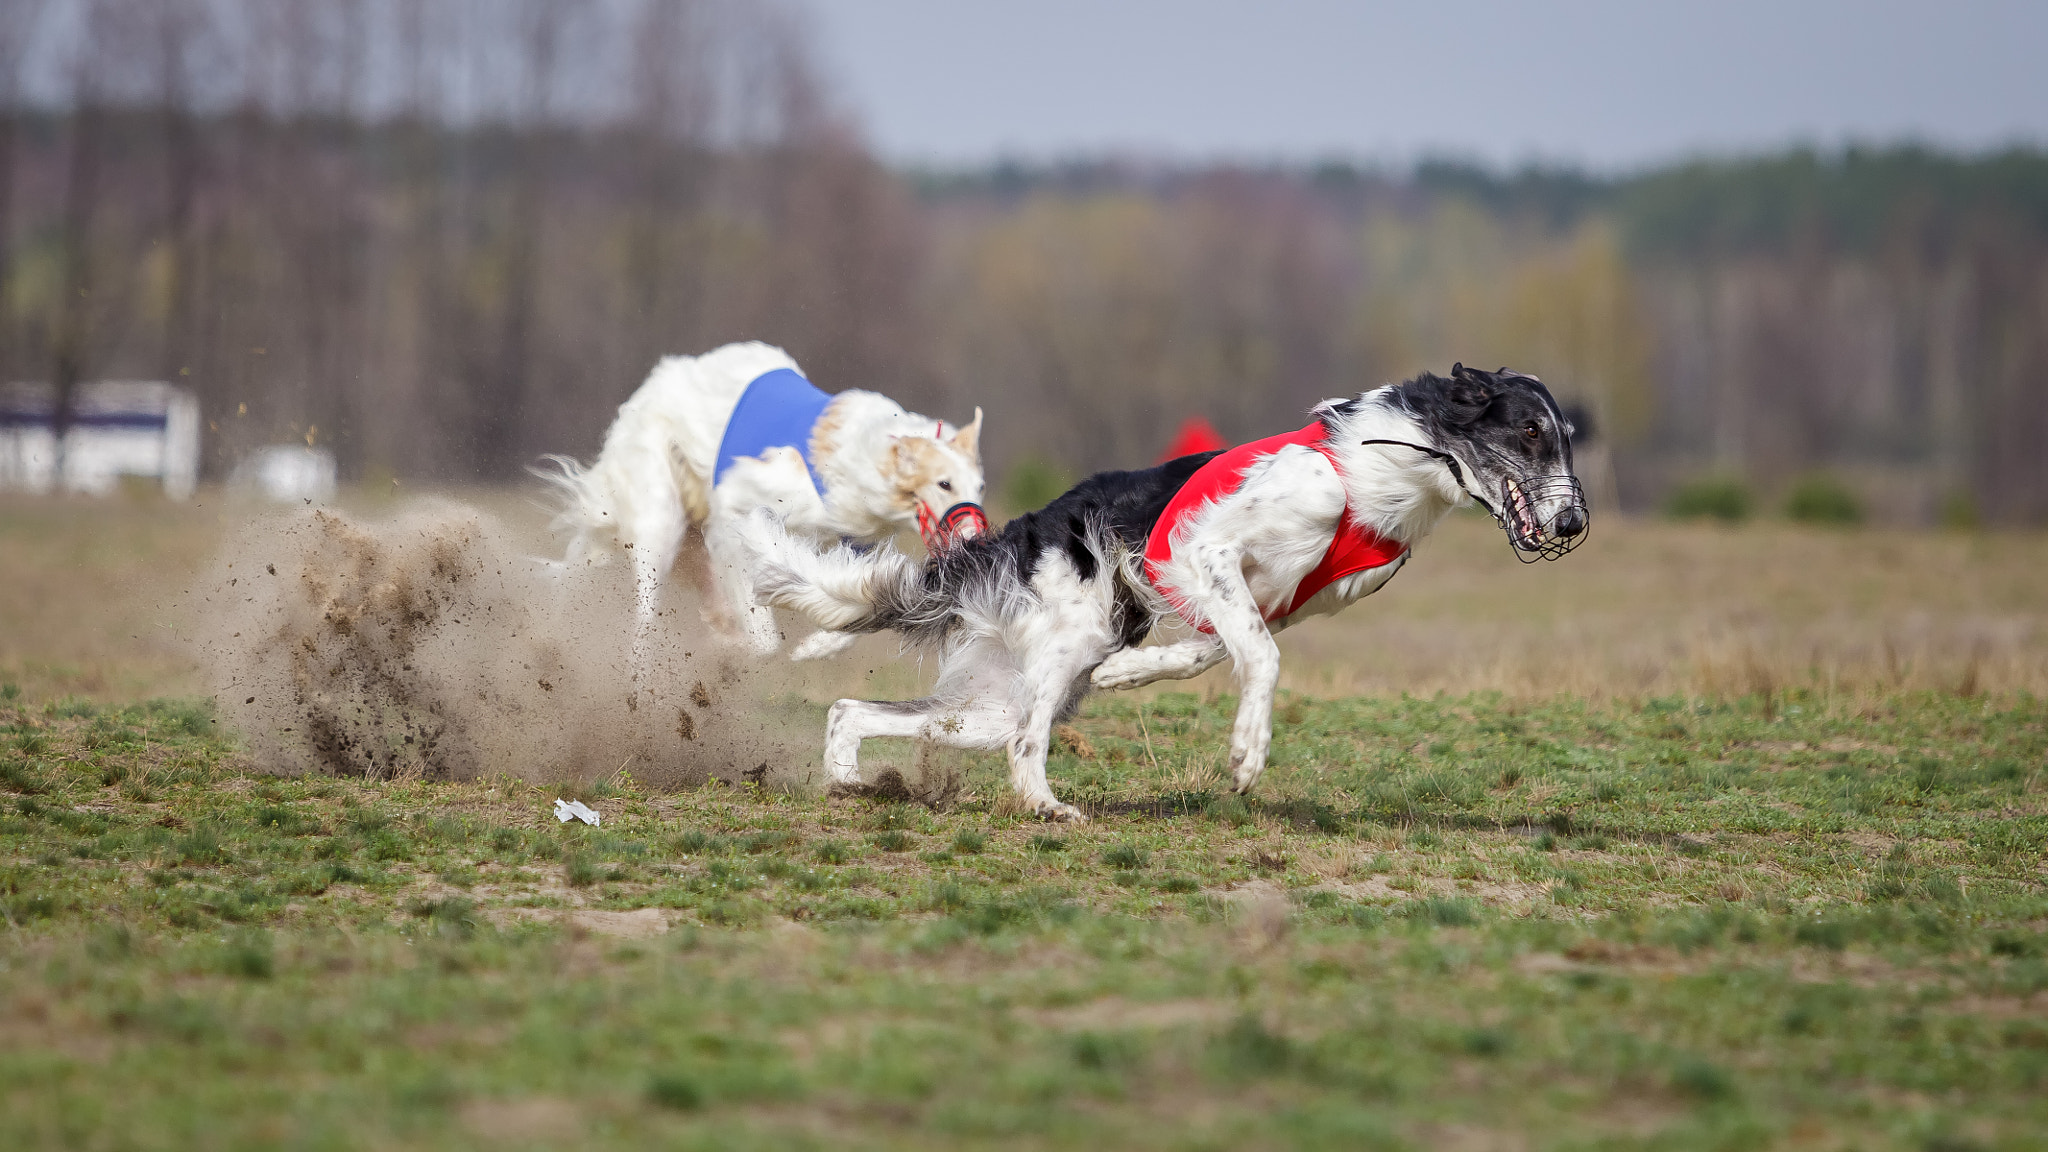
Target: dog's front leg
{"points": [[1136, 667], [1228, 605], [729, 561], [821, 645]]}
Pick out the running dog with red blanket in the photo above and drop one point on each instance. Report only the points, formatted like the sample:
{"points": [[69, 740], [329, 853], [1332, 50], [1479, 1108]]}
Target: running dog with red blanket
{"points": [[1237, 544]]}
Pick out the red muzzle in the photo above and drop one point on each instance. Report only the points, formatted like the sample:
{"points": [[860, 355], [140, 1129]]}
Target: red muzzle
{"points": [[962, 521]]}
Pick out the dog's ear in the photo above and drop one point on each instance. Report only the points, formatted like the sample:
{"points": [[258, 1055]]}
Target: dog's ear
{"points": [[967, 441], [1467, 398], [900, 464], [912, 461]]}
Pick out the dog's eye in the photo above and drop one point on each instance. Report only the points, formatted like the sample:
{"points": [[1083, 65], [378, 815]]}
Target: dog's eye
{"points": [[945, 485], [1532, 430]]}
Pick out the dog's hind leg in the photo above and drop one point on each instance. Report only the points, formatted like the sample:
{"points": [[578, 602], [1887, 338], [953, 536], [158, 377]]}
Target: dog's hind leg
{"points": [[1052, 698], [976, 724], [1135, 667], [653, 535], [1056, 645]]}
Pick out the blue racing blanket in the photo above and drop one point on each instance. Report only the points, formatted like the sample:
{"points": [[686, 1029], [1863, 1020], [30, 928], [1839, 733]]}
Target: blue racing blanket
{"points": [[777, 410]]}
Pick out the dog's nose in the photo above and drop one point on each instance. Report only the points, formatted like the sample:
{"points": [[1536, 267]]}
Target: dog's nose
{"points": [[1570, 523]]}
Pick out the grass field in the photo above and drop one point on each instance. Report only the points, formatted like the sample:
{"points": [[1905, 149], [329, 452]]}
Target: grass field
{"points": [[1760, 864]]}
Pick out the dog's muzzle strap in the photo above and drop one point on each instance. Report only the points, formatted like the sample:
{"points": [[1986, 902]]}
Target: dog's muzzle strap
{"points": [[963, 521]]}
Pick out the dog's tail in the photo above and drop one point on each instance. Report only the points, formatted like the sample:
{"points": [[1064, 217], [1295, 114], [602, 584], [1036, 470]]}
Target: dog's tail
{"points": [[847, 590], [584, 508], [842, 590]]}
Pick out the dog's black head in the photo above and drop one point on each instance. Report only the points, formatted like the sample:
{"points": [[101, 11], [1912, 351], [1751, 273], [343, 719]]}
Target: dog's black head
{"points": [[1512, 444]]}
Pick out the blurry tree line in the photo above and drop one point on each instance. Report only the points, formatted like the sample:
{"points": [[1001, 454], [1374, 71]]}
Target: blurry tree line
{"points": [[436, 236], [442, 236], [1874, 319]]}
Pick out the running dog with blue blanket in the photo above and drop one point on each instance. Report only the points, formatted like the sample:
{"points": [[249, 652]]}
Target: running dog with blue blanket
{"points": [[709, 439]]}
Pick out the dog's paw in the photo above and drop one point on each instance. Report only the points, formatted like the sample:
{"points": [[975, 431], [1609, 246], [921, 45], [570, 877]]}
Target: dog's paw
{"points": [[1126, 669], [1114, 681], [1058, 813], [820, 645], [747, 643]]}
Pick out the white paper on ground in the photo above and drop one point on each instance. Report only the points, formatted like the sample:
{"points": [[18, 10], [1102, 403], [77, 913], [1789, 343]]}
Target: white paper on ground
{"points": [[567, 810]]}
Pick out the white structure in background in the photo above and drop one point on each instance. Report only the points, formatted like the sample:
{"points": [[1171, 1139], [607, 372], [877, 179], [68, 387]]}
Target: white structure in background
{"points": [[118, 428], [287, 473]]}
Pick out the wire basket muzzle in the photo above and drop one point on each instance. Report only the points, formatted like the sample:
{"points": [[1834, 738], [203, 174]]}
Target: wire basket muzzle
{"points": [[1564, 527]]}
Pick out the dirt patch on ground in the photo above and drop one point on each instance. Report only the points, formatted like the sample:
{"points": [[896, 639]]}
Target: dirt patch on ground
{"points": [[639, 924], [1470, 1138], [1381, 890], [1370, 890], [1116, 1014], [427, 645], [522, 1121]]}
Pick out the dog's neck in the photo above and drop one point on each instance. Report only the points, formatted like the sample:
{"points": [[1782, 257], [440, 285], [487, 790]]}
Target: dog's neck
{"points": [[1398, 492]]}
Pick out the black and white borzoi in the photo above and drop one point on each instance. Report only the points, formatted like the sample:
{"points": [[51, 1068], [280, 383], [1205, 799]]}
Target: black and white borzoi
{"points": [[708, 439], [1239, 544]]}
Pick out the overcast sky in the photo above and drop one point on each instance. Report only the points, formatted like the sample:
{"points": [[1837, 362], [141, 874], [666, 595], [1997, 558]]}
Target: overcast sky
{"points": [[1613, 85]]}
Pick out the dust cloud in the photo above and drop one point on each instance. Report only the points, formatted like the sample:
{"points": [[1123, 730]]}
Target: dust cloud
{"points": [[430, 645]]}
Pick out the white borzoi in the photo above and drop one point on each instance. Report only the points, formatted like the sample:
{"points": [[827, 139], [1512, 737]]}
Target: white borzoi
{"points": [[1238, 544], [708, 439]]}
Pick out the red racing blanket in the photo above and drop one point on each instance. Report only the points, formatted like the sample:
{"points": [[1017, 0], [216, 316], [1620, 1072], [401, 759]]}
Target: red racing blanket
{"points": [[1354, 547]]}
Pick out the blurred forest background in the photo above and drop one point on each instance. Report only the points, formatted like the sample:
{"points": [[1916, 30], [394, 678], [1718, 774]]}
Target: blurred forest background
{"points": [[440, 237]]}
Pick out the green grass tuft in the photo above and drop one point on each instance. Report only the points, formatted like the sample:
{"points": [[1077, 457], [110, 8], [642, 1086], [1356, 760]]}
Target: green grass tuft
{"points": [[1701, 1079], [677, 1091], [1126, 856], [581, 870], [1449, 912], [250, 955]]}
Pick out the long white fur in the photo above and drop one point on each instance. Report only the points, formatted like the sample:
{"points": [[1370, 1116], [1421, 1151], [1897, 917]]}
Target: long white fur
{"points": [[1010, 666], [652, 482]]}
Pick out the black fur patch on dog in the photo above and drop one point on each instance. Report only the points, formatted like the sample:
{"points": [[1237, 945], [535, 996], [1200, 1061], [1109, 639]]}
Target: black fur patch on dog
{"points": [[1489, 412], [1105, 509], [1124, 504]]}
